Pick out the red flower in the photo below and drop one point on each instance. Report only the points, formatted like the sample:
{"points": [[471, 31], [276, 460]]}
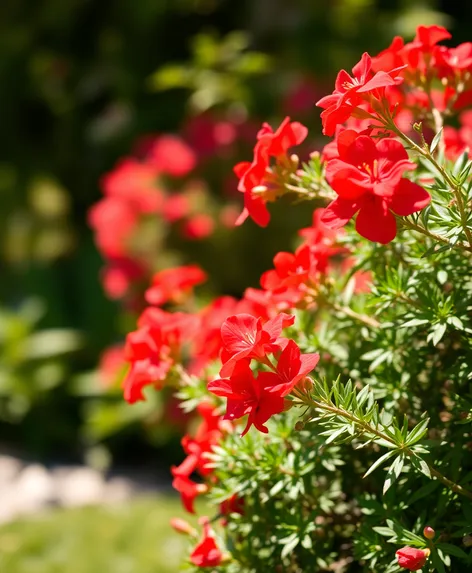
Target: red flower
{"points": [[174, 284], [298, 270], [198, 226], [287, 135], [208, 434], [171, 155], [206, 553], [118, 276], [151, 362], [368, 178], [113, 221], [233, 504], [188, 490], [411, 558], [182, 526], [420, 55], [207, 340], [154, 347], [246, 395], [251, 176], [392, 57], [244, 337], [134, 183], [453, 60], [429, 36], [351, 91], [176, 206], [272, 302], [291, 368], [254, 176], [111, 365]]}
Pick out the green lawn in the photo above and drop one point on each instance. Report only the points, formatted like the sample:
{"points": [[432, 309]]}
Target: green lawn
{"points": [[134, 537]]}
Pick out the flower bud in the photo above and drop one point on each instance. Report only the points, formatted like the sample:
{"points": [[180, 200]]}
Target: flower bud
{"points": [[182, 526], [299, 426], [411, 558], [429, 532], [288, 404], [294, 161]]}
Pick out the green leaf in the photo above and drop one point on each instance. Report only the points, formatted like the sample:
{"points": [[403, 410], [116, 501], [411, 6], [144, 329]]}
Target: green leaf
{"points": [[333, 435], [170, 77], [442, 277], [277, 488], [418, 432], [436, 140], [414, 322], [421, 466], [438, 332], [424, 491], [437, 562], [290, 543], [397, 465], [52, 342], [453, 550], [379, 462]]}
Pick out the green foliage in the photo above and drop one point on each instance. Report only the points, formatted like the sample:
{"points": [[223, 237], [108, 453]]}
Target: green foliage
{"points": [[217, 73], [377, 445]]}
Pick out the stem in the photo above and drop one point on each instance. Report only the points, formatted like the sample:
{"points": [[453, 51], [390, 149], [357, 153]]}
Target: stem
{"points": [[456, 189], [415, 227], [312, 193], [368, 320], [327, 407]]}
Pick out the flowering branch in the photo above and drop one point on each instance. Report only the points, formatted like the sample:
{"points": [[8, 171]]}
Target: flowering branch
{"points": [[456, 189], [347, 405]]}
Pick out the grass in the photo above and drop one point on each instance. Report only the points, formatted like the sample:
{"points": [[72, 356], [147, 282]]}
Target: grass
{"points": [[133, 537]]}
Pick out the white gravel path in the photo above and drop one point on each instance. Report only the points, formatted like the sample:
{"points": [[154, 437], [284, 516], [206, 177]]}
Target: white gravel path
{"points": [[27, 488]]}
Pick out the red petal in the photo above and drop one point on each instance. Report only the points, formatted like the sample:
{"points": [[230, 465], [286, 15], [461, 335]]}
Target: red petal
{"points": [[237, 331], [335, 115], [275, 325], [328, 101], [343, 79], [375, 222], [221, 388], [409, 198], [344, 140], [391, 150], [309, 361], [361, 69], [380, 80], [242, 217], [431, 35], [241, 168], [362, 150], [350, 183], [257, 210], [339, 212]]}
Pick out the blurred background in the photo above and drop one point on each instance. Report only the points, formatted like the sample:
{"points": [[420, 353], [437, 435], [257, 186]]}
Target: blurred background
{"points": [[92, 93]]}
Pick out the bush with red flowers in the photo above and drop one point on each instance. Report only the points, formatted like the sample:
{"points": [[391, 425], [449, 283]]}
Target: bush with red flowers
{"points": [[335, 401]]}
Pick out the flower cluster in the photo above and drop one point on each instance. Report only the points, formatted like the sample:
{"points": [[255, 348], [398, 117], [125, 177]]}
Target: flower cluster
{"points": [[367, 172], [295, 280], [260, 182], [156, 190], [133, 190], [197, 448], [246, 338], [368, 177]]}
